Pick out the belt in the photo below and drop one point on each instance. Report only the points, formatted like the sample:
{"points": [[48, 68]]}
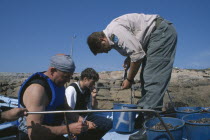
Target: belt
{"points": [[158, 21]]}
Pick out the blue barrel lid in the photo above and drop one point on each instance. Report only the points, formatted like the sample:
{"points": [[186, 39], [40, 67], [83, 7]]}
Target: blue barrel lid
{"points": [[182, 109], [174, 121], [196, 116]]}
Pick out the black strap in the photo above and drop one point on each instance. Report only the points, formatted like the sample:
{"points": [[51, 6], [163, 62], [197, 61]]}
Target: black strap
{"points": [[76, 87], [41, 81], [82, 99]]}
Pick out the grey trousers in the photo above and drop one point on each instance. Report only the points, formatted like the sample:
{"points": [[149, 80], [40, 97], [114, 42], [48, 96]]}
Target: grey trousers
{"points": [[157, 66]]}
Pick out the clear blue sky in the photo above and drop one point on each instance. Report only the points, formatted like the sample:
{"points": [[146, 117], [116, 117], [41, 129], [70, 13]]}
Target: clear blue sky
{"points": [[31, 31]]}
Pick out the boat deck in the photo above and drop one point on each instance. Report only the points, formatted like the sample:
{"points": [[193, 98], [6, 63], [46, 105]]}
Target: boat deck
{"points": [[112, 135]]}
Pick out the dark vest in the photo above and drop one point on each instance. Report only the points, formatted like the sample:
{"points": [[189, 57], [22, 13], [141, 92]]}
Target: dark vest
{"points": [[82, 100]]}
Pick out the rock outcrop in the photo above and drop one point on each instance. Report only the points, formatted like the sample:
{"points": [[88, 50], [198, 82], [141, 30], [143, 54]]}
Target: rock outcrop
{"points": [[187, 87]]}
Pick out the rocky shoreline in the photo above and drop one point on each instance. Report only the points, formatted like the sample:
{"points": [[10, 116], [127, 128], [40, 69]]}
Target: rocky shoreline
{"points": [[188, 87]]}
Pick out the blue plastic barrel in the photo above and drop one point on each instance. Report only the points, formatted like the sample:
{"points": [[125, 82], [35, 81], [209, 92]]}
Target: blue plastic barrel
{"points": [[207, 109], [123, 122], [153, 134], [197, 131], [180, 111]]}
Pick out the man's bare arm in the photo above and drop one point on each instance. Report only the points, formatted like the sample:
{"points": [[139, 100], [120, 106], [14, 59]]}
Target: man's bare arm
{"points": [[13, 114], [35, 99], [94, 102], [134, 67]]}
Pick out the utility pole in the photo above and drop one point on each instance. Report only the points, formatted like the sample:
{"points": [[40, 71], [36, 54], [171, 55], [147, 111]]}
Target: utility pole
{"points": [[72, 45]]}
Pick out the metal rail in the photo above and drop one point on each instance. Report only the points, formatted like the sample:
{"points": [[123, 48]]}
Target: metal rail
{"points": [[89, 111], [108, 110]]}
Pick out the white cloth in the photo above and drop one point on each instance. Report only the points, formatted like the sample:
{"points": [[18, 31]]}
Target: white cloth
{"points": [[132, 32], [71, 96]]}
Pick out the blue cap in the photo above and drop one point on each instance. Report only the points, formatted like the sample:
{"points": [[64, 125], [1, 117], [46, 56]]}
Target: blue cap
{"points": [[63, 63]]}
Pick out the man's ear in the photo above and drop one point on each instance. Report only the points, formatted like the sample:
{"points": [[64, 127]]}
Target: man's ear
{"points": [[52, 70], [85, 79], [102, 39]]}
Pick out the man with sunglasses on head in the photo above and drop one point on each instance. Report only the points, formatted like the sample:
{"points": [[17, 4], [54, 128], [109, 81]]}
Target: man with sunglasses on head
{"points": [[45, 91]]}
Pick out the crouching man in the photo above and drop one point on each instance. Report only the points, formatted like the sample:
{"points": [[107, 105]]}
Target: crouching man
{"points": [[81, 95]]}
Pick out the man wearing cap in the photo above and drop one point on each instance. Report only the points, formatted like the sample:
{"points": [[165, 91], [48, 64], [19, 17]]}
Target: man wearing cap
{"points": [[44, 91]]}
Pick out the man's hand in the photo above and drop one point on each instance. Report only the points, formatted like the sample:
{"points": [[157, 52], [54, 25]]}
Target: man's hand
{"points": [[134, 67], [94, 93], [78, 127], [126, 84], [94, 102], [91, 125], [13, 114]]}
